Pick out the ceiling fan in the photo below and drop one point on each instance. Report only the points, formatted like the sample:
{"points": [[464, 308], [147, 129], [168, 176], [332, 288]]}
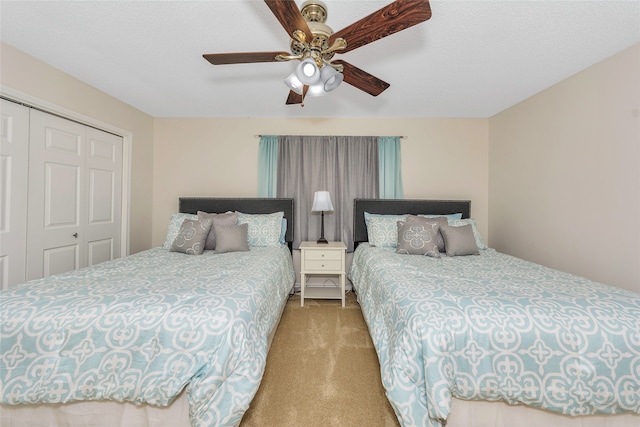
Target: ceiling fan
{"points": [[314, 44]]}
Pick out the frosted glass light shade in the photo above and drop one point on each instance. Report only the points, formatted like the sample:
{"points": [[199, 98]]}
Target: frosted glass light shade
{"points": [[330, 77], [308, 72], [294, 83], [322, 202]]}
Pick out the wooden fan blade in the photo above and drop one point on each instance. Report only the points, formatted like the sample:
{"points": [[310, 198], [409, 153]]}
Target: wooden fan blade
{"points": [[289, 16], [397, 16], [294, 98], [242, 57], [361, 79]]}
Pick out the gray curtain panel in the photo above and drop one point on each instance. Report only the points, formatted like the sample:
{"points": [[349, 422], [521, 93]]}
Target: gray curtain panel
{"points": [[346, 166]]}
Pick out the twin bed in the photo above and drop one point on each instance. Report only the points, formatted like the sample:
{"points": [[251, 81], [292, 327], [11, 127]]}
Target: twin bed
{"points": [[457, 336], [162, 338], [159, 338]]}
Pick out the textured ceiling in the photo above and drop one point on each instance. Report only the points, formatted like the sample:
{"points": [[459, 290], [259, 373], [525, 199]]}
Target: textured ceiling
{"points": [[471, 59]]}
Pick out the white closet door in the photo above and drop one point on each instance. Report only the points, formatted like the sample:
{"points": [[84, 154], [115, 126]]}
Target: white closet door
{"points": [[56, 177], [75, 190], [104, 196], [14, 161]]}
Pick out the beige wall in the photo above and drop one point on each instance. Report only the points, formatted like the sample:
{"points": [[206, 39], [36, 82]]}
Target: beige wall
{"points": [[441, 158], [30, 78], [559, 172], [564, 174]]}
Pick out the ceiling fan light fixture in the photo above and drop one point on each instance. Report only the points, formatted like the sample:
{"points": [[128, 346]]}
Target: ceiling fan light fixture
{"points": [[294, 83], [316, 90], [308, 72], [330, 77]]}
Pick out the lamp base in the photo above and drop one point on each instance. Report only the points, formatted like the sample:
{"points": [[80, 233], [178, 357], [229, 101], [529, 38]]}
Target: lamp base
{"points": [[322, 240]]}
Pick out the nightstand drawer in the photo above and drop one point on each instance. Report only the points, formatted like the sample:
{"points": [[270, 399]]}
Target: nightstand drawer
{"points": [[323, 265], [323, 255]]}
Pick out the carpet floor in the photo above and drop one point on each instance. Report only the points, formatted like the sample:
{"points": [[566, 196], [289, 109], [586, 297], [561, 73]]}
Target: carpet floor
{"points": [[322, 370]]}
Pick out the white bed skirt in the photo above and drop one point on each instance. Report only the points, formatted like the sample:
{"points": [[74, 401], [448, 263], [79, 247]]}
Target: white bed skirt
{"points": [[465, 413], [112, 414], [97, 414]]}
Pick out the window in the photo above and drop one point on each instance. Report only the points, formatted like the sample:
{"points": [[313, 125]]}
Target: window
{"points": [[348, 167]]}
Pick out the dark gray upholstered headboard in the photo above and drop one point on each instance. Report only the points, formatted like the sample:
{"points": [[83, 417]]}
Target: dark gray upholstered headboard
{"points": [[402, 206], [245, 205]]}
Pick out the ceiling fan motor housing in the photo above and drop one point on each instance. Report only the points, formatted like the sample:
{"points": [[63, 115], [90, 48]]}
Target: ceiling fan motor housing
{"points": [[314, 11], [315, 14]]}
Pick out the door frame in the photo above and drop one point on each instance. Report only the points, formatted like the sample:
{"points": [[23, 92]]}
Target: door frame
{"points": [[126, 135]]}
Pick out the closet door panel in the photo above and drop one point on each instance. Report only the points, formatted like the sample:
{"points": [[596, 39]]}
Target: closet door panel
{"points": [[56, 196], [14, 161], [104, 195]]}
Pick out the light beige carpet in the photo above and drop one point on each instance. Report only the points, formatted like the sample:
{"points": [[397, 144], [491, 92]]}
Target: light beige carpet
{"points": [[322, 370]]}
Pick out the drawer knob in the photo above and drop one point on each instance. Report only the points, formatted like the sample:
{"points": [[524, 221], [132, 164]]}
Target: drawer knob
{"points": [[322, 255]]}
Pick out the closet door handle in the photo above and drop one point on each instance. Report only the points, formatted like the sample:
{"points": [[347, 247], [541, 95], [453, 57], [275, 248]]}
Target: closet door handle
{"points": [[75, 235]]}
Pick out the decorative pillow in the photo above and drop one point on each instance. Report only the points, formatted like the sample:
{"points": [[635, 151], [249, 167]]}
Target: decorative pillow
{"points": [[174, 227], [418, 238], [191, 237], [283, 231], [231, 238], [459, 240], [264, 229], [448, 216], [440, 220], [228, 218], [476, 234], [382, 230]]}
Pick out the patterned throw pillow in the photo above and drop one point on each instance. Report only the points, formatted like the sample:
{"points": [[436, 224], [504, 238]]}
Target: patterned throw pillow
{"points": [[264, 229], [459, 240], [440, 220], [231, 238], [191, 237], [418, 238], [476, 234], [228, 218], [382, 230], [174, 227]]}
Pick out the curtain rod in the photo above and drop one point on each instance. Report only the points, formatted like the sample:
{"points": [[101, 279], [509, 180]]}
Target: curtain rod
{"points": [[401, 136]]}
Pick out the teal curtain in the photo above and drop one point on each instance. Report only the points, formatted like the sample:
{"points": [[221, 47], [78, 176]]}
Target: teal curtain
{"points": [[268, 166], [390, 170]]}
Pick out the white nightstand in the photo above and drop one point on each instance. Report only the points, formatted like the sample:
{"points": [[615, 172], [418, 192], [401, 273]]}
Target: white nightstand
{"points": [[322, 259]]}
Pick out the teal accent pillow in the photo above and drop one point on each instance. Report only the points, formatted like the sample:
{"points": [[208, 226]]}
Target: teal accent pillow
{"points": [[174, 227], [418, 238], [263, 229], [476, 234], [191, 237], [382, 230], [448, 216]]}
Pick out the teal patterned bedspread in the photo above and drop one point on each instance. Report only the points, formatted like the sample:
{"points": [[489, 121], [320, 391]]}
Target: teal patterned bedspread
{"points": [[494, 327], [143, 328]]}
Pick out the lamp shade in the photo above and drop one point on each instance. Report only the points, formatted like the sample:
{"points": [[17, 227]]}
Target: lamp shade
{"points": [[308, 72], [330, 77], [322, 202], [294, 83]]}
